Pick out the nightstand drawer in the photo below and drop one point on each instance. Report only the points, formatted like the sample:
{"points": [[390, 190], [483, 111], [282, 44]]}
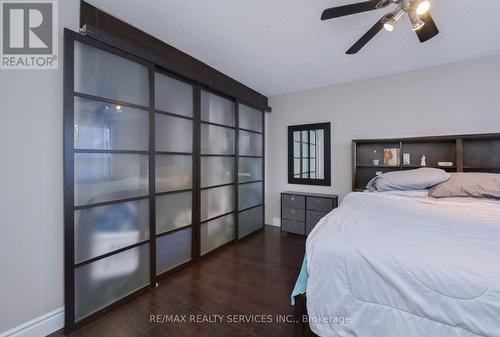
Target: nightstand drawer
{"points": [[313, 217], [294, 214], [292, 226], [293, 201], [319, 204]]}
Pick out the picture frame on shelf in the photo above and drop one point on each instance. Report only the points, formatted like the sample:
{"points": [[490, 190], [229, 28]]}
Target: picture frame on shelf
{"points": [[391, 157]]}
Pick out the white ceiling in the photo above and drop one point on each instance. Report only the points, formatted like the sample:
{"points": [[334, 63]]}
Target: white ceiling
{"points": [[281, 46]]}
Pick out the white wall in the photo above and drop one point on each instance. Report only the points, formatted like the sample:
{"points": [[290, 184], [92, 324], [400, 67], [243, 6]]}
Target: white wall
{"points": [[31, 187], [455, 99]]}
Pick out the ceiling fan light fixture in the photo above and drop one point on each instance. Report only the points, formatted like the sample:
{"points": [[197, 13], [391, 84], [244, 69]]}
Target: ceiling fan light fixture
{"points": [[417, 11], [423, 7], [416, 23], [393, 18]]}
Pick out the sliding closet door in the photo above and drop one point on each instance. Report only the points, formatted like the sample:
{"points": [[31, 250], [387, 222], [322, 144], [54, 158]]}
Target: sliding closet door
{"points": [[218, 199], [174, 106], [157, 172], [250, 170], [107, 177]]}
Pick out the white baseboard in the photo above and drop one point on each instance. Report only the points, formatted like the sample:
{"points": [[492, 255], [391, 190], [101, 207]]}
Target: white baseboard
{"points": [[276, 222], [40, 326]]}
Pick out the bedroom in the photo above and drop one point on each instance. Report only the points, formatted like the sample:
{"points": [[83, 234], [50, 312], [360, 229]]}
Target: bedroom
{"points": [[259, 74]]}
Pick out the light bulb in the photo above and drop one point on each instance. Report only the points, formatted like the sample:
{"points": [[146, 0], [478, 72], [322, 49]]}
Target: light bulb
{"points": [[416, 23], [389, 26], [391, 19], [423, 7]]}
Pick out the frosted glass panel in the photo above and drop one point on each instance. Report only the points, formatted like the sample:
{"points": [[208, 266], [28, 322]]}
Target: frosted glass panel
{"points": [[173, 96], [250, 119], [103, 229], [173, 211], [105, 126], [100, 73], [216, 171], [103, 177], [249, 195], [216, 233], [216, 140], [173, 172], [172, 250], [216, 109], [250, 144], [250, 169], [105, 281], [217, 201], [173, 134], [249, 221]]}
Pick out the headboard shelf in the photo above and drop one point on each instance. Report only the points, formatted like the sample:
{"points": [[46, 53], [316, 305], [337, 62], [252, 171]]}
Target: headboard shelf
{"points": [[380, 166], [467, 153], [482, 168], [412, 167]]}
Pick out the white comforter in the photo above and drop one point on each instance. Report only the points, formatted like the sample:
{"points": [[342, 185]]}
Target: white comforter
{"points": [[393, 266]]}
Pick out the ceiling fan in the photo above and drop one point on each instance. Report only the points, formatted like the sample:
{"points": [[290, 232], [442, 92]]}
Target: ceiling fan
{"points": [[417, 10]]}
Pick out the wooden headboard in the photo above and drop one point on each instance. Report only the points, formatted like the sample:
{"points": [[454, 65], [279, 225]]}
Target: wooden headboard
{"points": [[468, 153]]}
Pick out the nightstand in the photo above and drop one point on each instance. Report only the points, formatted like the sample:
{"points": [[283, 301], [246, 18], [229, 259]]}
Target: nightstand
{"points": [[300, 211]]}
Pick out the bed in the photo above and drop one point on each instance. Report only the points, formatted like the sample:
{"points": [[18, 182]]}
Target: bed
{"points": [[413, 260], [403, 264], [393, 265], [421, 258]]}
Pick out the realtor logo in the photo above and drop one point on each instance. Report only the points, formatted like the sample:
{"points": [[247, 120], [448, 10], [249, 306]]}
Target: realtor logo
{"points": [[29, 34]]}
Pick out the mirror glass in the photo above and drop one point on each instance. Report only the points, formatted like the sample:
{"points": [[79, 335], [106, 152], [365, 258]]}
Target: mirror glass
{"points": [[309, 154]]}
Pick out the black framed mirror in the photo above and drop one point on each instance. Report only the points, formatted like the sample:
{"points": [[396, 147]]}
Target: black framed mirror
{"points": [[309, 154]]}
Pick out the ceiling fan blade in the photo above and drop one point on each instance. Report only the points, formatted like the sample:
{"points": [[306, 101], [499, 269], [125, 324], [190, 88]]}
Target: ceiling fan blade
{"points": [[429, 30], [370, 34], [359, 7]]}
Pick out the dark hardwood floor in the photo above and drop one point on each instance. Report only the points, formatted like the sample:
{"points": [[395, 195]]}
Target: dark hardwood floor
{"points": [[253, 277]]}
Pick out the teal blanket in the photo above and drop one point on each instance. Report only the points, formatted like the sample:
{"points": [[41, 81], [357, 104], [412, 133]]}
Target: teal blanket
{"points": [[301, 284]]}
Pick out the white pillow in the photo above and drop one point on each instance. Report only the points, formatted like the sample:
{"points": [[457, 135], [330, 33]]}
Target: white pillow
{"points": [[419, 179]]}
